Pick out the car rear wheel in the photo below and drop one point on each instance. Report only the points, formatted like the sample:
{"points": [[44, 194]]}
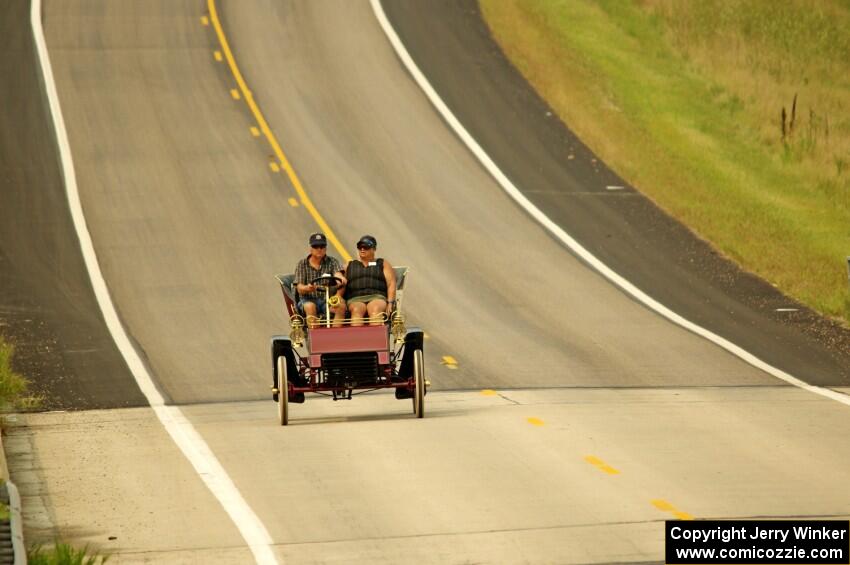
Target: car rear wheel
{"points": [[283, 388], [419, 382]]}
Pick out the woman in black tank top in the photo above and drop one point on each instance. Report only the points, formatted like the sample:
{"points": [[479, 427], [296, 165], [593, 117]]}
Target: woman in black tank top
{"points": [[371, 284]]}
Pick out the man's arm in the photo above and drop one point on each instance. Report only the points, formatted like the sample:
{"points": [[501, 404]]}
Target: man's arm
{"points": [[301, 279]]}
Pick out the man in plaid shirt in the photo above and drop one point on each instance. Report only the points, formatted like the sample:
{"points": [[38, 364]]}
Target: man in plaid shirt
{"points": [[312, 298]]}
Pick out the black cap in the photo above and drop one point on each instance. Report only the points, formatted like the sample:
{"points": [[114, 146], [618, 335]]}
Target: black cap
{"points": [[367, 240], [318, 239]]}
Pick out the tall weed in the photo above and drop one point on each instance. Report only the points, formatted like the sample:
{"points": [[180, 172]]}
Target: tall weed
{"points": [[12, 385], [64, 554]]}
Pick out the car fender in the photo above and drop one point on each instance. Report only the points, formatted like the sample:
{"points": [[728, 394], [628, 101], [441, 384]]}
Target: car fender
{"points": [[414, 339], [282, 345]]}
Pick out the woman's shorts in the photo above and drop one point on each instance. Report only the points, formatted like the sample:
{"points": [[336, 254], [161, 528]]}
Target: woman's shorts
{"points": [[319, 302], [365, 299]]}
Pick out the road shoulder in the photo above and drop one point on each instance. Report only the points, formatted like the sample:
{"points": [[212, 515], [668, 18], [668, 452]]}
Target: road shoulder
{"points": [[114, 479]]}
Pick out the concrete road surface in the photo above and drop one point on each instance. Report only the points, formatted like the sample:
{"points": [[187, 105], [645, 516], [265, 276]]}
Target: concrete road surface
{"points": [[527, 476], [606, 419]]}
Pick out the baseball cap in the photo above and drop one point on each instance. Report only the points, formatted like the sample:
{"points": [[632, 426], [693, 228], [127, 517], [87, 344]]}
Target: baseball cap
{"points": [[368, 241], [318, 239]]}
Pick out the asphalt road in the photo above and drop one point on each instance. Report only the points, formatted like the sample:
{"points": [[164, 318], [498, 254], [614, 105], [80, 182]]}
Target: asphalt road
{"points": [[190, 224], [377, 159], [47, 308]]}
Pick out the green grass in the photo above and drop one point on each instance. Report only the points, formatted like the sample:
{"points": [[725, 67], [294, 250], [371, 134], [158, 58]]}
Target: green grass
{"points": [[12, 385], [64, 554], [684, 100]]}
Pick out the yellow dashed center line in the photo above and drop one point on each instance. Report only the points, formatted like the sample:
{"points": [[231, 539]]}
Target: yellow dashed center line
{"points": [[535, 421], [235, 94], [449, 362], [218, 56], [255, 132], [665, 506], [274, 167], [601, 465], [205, 21], [293, 202], [264, 127], [662, 505], [488, 392]]}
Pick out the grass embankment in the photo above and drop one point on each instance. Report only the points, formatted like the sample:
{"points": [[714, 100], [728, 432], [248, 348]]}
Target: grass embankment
{"points": [[685, 100]]}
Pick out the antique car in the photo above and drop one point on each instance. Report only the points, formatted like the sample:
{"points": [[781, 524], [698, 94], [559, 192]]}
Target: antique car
{"points": [[345, 360]]}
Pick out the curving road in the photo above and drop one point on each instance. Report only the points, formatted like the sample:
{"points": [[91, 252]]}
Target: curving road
{"points": [[190, 223]]}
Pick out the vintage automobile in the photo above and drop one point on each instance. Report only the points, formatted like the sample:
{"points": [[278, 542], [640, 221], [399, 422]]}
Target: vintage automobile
{"points": [[344, 361]]}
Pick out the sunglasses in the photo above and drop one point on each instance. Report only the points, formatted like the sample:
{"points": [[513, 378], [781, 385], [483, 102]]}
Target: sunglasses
{"points": [[318, 246], [362, 247]]}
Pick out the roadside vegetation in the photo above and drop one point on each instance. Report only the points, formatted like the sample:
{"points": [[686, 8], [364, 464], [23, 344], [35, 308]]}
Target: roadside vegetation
{"points": [[64, 554], [14, 396], [13, 387], [732, 116]]}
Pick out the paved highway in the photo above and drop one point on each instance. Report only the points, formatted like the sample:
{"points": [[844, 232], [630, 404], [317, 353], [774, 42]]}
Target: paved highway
{"points": [[606, 419]]}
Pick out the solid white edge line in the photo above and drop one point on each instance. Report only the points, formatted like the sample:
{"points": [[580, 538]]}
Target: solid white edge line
{"points": [[172, 418], [564, 237]]}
